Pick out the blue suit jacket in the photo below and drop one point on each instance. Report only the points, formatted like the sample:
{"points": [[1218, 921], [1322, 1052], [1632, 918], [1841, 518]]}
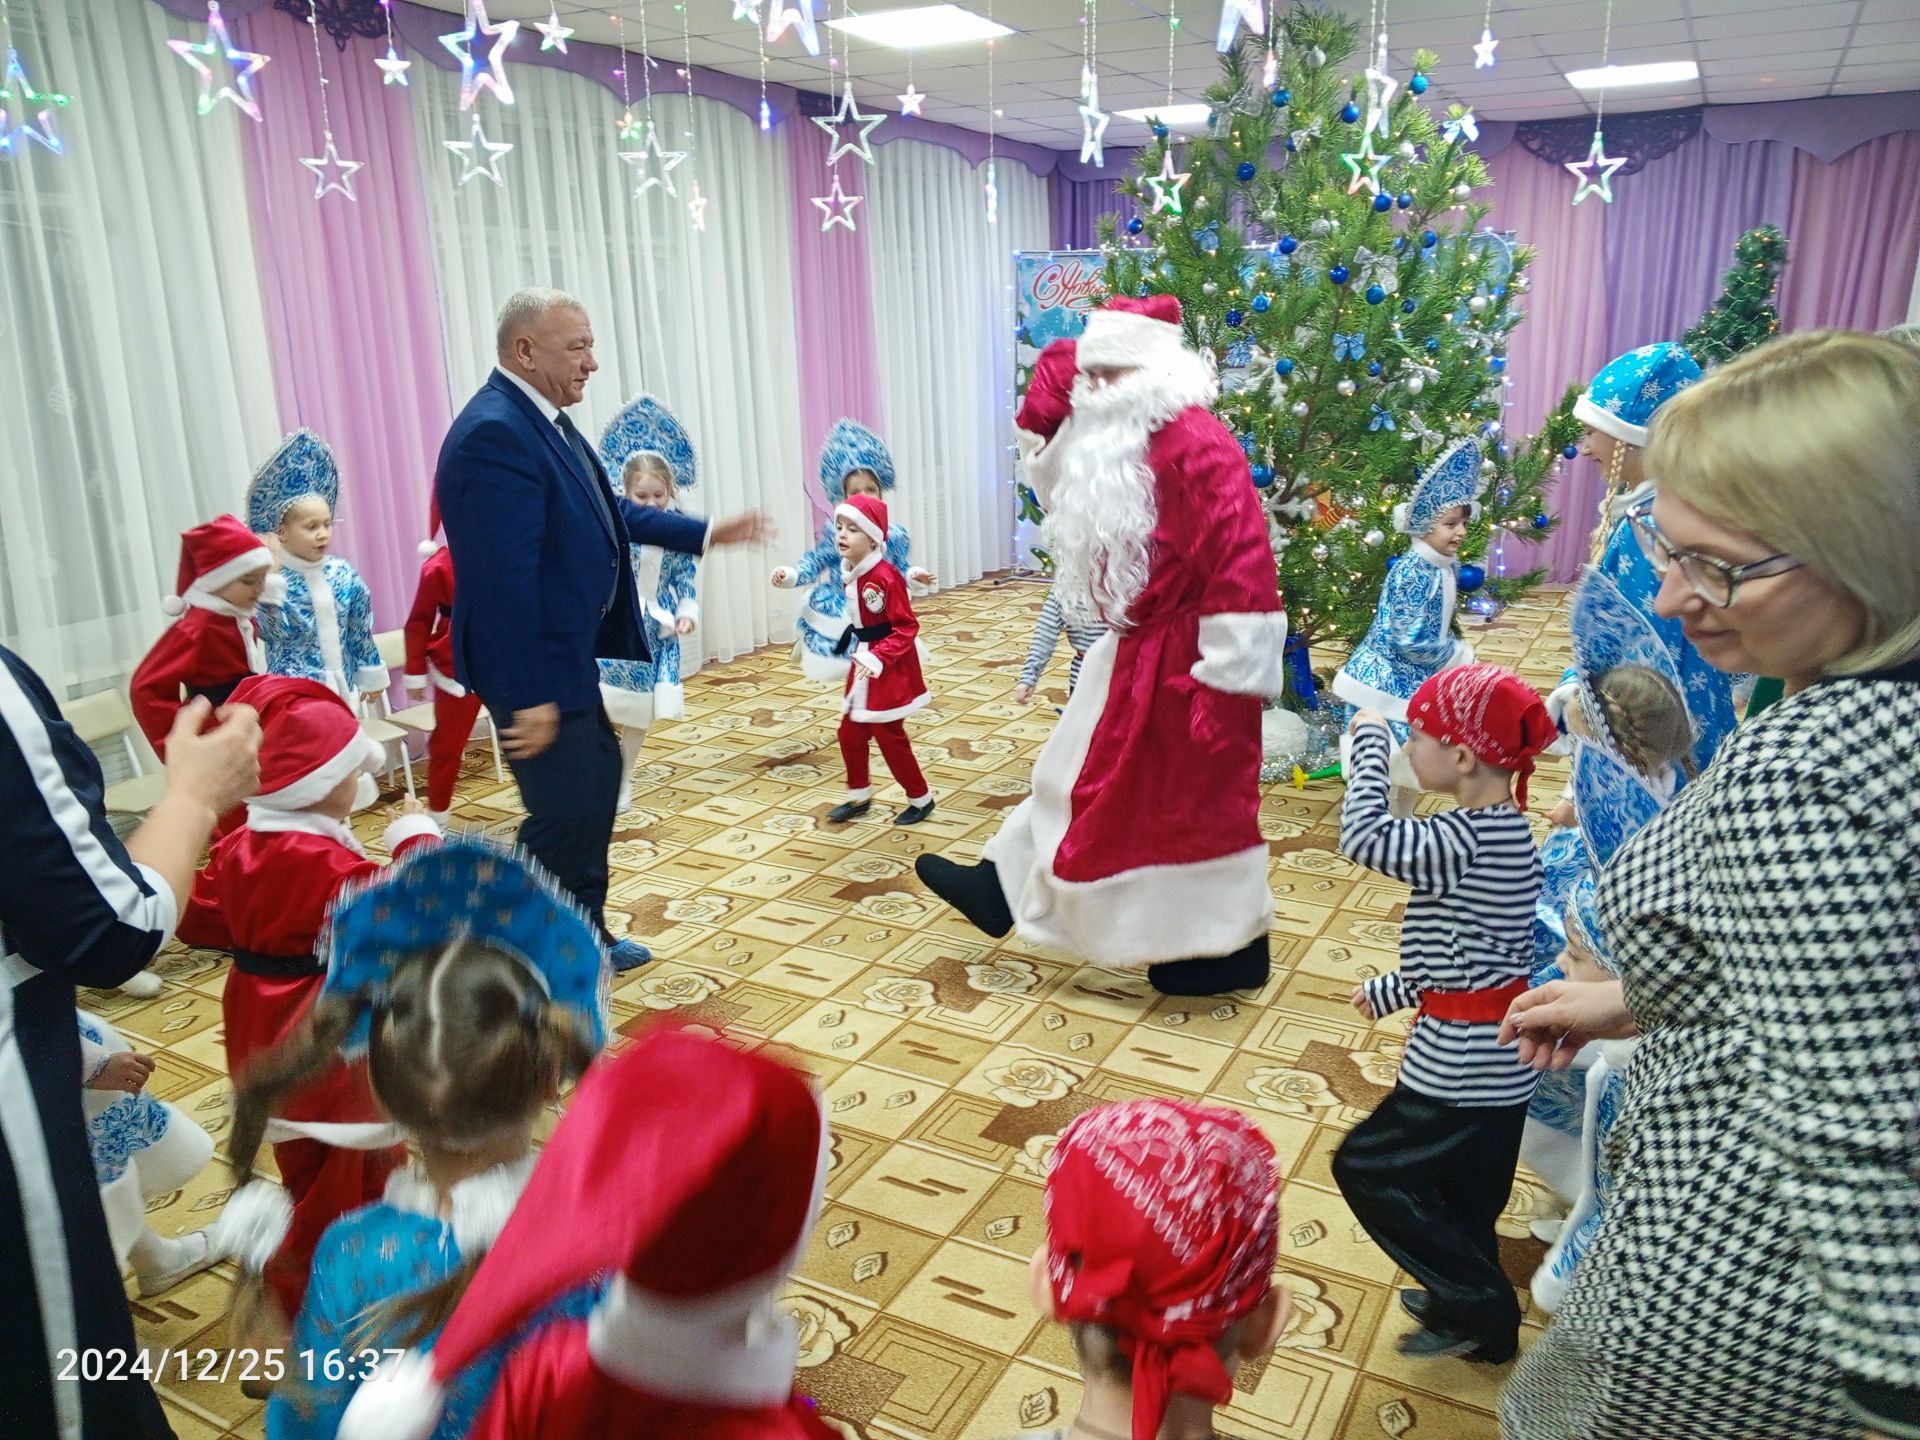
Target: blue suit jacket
{"points": [[543, 576]]}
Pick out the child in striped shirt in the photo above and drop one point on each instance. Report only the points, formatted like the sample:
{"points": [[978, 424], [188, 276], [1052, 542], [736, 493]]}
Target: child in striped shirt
{"points": [[1046, 639], [1429, 1172]]}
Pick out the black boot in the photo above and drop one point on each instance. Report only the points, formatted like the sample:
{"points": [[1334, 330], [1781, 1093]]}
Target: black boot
{"points": [[1245, 969], [914, 814], [973, 890], [1417, 1303], [848, 810]]}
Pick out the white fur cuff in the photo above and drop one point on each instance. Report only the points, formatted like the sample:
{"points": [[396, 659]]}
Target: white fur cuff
{"points": [[252, 1224]]}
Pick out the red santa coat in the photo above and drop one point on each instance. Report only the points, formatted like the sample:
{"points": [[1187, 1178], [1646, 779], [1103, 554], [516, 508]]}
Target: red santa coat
{"points": [[203, 652], [429, 627], [877, 596], [1141, 841]]}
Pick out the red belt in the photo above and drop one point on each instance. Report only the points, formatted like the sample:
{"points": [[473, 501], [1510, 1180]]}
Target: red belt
{"points": [[1484, 1006]]}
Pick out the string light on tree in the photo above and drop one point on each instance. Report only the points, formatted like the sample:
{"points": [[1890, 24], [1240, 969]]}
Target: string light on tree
{"points": [[474, 76], [797, 15], [393, 69], [331, 173], [553, 35], [236, 80], [479, 155], [1595, 173]]}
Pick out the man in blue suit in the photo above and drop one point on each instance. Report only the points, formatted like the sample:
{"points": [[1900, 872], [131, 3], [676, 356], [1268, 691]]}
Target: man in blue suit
{"points": [[544, 584]]}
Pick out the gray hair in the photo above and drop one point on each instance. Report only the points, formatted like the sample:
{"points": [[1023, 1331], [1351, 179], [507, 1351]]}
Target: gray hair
{"points": [[523, 307], [1909, 332]]}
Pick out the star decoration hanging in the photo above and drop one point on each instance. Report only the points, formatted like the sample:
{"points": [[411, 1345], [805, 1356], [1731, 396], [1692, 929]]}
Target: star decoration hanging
{"points": [[849, 113], [1167, 185], [474, 76], [553, 35], [748, 10], [1460, 125], [1380, 88], [697, 209], [1583, 171], [479, 155], [910, 102], [1483, 52], [27, 113], [1093, 127], [836, 206], [1234, 14], [785, 15], [393, 70], [331, 173], [655, 164], [1365, 164], [238, 86]]}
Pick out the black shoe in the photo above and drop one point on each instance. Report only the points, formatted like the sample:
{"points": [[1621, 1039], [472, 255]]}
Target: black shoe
{"points": [[1245, 969], [848, 810], [1433, 1344], [973, 890], [914, 814], [1417, 1303]]}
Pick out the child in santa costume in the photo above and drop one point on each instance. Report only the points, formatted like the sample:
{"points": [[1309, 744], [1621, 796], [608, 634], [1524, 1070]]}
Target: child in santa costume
{"points": [[884, 683], [693, 1173], [1411, 637], [1429, 1171], [854, 461], [1163, 1220], [474, 989], [651, 452], [429, 636], [273, 882], [1140, 847]]}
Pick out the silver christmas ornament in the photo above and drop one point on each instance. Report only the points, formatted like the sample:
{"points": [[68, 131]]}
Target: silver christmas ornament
{"points": [[1415, 385], [1345, 387], [1407, 151], [1478, 304], [1372, 537], [1300, 413], [1463, 191], [1319, 552], [1322, 227], [1209, 288]]}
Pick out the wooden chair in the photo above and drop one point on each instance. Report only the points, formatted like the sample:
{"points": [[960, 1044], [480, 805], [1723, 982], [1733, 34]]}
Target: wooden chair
{"points": [[105, 715], [418, 719]]}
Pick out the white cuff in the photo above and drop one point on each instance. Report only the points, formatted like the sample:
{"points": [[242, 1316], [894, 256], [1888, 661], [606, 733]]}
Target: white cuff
{"points": [[414, 683], [408, 827], [689, 610], [165, 913], [784, 578], [274, 592], [369, 678], [1557, 708], [869, 662], [1243, 654]]}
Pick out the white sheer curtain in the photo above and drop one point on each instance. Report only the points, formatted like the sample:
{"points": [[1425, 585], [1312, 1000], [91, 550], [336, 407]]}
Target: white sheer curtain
{"points": [[943, 309], [135, 388], [704, 321]]}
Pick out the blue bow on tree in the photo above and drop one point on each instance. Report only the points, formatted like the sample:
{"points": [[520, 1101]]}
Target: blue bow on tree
{"points": [[1382, 420], [1349, 347]]}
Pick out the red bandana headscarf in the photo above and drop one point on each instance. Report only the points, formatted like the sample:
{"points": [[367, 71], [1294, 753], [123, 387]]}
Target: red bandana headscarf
{"points": [[1163, 1220], [1491, 711]]}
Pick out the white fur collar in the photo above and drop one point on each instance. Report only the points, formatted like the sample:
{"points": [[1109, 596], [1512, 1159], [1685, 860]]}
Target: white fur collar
{"points": [[874, 557], [477, 1207], [741, 1355], [1434, 557], [302, 822], [202, 601]]}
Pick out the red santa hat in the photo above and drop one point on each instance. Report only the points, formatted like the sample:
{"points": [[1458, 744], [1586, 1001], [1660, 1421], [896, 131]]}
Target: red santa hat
{"points": [[1049, 398], [693, 1172], [1163, 1220], [310, 741], [1130, 330], [429, 545], [1491, 711], [869, 512], [211, 555]]}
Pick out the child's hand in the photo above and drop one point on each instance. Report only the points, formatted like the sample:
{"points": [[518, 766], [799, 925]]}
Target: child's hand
{"points": [[684, 625], [372, 697], [412, 806], [1562, 816], [1022, 693], [1365, 717], [126, 1071], [783, 577], [1362, 1004]]}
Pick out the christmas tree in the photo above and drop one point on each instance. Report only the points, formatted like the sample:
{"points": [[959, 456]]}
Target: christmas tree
{"points": [[1325, 248], [1743, 316]]}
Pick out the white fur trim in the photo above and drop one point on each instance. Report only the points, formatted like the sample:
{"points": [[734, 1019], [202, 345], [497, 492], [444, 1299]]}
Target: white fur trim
{"points": [[370, 678], [252, 1224], [1592, 416], [258, 558], [825, 669], [173, 605], [1557, 707], [689, 610], [783, 577], [361, 755], [855, 797], [629, 709], [1363, 696], [408, 827], [444, 682], [869, 662], [479, 1204], [1121, 338], [428, 549], [415, 683], [1403, 517], [847, 510], [274, 592], [400, 1401], [342, 1135], [1242, 654]]}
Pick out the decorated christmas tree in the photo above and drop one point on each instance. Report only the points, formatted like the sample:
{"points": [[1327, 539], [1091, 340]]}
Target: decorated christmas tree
{"points": [[1324, 244], [1743, 315]]}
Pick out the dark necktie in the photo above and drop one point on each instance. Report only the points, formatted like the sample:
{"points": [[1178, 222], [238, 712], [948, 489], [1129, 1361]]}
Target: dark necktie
{"points": [[577, 441], [580, 448]]}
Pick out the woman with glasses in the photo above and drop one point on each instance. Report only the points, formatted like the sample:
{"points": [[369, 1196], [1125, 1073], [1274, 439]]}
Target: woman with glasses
{"points": [[1758, 1274]]}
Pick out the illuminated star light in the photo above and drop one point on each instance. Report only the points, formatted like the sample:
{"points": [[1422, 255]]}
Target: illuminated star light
{"points": [[1461, 124], [748, 10], [553, 35], [479, 155], [392, 68], [1234, 14], [1583, 171], [655, 163], [911, 101], [331, 173], [837, 206], [1167, 185], [1483, 52], [1365, 164], [238, 87], [849, 113], [697, 209], [473, 76], [1380, 88], [788, 15], [35, 111], [1093, 127]]}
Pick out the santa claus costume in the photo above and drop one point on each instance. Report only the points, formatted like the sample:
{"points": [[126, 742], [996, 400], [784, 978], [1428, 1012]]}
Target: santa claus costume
{"points": [[694, 1174], [1140, 845], [429, 636], [273, 882], [884, 681]]}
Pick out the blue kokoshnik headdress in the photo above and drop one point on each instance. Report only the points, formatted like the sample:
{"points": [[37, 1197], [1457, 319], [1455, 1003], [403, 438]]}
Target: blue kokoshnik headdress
{"points": [[302, 466], [1583, 922], [1452, 479], [644, 426], [1623, 396], [851, 446]]}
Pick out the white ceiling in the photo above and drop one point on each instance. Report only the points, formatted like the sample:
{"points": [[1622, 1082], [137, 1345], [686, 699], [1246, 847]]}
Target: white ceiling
{"points": [[1747, 50]]}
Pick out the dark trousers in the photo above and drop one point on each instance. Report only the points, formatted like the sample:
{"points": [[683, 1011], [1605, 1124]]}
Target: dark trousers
{"points": [[1428, 1180], [571, 791]]}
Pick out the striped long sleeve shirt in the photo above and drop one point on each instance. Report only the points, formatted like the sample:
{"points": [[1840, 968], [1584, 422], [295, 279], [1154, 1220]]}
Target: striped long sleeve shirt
{"points": [[1046, 639], [1475, 876]]}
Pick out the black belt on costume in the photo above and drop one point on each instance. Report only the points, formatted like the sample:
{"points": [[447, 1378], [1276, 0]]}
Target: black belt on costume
{"points": [[865, 634], [216, 695], [277, 967]]}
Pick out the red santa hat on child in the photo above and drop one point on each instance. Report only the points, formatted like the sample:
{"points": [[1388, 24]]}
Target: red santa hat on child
{"points": [[429, 545], [310, 741], [1163, 1220], [869, 512], [693, 1172], [211, 555], [1491, 711], [1130, 330]]}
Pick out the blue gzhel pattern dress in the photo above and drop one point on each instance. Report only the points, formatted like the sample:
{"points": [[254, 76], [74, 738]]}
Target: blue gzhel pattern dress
{"points": [[1411, 638], [639, 692], [328, 642]]}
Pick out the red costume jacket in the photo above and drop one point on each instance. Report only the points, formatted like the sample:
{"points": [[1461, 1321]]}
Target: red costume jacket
{"points": [[201, 653], [429, 627], [881, 613]]}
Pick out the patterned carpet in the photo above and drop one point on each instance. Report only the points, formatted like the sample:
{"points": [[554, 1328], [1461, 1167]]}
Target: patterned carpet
{"points": [[951, 1064]]}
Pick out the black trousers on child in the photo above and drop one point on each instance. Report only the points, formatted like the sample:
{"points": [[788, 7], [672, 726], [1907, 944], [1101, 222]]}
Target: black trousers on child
{"points": [[1428, 1180]]}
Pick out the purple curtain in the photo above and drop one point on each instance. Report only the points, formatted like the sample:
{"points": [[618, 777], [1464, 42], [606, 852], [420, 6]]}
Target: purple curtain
{"points": [[1852, 236], [1077, 206], [358, 353], [832, 296]]}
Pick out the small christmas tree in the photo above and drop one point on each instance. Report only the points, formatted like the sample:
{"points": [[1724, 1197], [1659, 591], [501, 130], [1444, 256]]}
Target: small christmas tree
{"points": [[1743, 316], [1360, 321]]}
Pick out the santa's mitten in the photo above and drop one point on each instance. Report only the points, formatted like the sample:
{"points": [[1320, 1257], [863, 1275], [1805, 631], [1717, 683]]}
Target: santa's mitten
{"points": [[1049, 398]]}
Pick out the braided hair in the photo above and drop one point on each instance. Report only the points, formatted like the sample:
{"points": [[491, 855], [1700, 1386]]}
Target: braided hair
{"points": [[1647, 716]]}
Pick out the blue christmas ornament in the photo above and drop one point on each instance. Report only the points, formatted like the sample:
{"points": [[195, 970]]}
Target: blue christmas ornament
{"points": [[1261, 304], [1373, 367], [1570, 451], [1408, 307], [1540, 522], [1263, 476], [1350, 112], [1471, 578], [1497, 364], [1234, 317], [1338, 274], [1287, 245], [1159, 130], [1246, 170], [1375, 294], [1291, 146], [1282, 96], [1392, 560], [1503, 449], [1134, 226], [1418, 84], [1404, 200], [1433, 342], [1283, 366], [1429, 239], [1399, 243], [1383, 202]]}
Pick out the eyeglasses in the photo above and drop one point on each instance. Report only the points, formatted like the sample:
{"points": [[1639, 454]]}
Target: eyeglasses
{"points": [[1712, 579]]}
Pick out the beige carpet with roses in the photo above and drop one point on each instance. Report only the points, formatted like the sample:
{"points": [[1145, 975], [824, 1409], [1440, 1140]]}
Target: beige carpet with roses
{"points": [[950, 1064]]}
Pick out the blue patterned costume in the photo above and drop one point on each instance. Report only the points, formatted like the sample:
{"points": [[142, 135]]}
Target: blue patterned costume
{"points": [[638, 692]]}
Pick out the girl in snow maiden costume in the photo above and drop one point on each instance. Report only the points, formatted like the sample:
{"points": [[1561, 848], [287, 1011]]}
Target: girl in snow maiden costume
{"points": [[651, 452], [854, 461]]}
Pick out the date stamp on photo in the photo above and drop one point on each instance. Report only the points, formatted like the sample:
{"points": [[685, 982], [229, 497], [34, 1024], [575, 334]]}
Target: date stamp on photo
{"points": [[222, 1366]]}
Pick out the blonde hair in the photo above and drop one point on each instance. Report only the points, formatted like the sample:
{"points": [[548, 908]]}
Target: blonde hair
{"points": [[645, 461], [1616, 463], [1648, 719], [1812, 444]]}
